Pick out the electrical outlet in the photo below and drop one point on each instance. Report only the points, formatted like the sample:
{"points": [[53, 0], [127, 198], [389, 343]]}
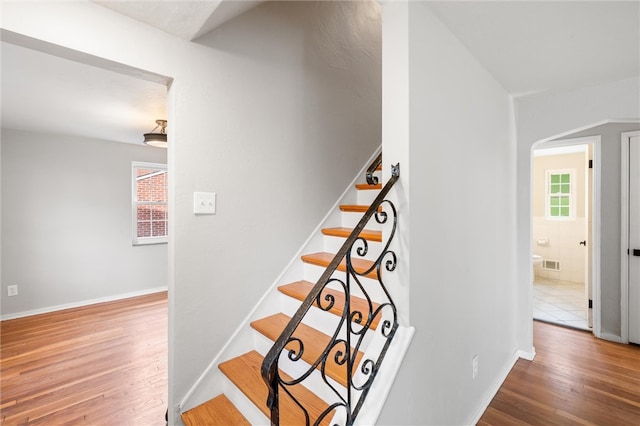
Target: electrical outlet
{"points": [[474, 363], [12, 290]]}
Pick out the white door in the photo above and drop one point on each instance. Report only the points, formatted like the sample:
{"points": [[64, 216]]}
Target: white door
{"points": [[634, 239]]}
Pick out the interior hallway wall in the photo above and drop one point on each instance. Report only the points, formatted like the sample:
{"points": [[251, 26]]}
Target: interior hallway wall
{"points": [[462, 257], [66, 222]]}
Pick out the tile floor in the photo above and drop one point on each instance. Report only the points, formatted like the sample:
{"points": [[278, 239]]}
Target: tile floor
{"points": [[560, 302]]}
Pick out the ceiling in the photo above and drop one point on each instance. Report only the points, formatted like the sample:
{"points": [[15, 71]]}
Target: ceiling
{"points": [[46, 93], [529, 47], [538, 46], [186, 19]]}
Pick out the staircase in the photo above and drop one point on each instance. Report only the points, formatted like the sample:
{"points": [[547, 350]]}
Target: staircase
{"points": [[315, 366]]}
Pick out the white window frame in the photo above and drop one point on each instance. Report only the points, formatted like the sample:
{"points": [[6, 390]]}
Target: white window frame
{"points": [[548, 195], [137, 241]]}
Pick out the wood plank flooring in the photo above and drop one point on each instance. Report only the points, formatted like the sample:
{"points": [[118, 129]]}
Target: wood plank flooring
{"points": [[103, 364], [107, 365], [575, 379]]}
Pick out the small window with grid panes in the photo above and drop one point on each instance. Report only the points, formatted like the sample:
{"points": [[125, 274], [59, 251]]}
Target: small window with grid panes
{"points": [[560, 203], [149, 202]]}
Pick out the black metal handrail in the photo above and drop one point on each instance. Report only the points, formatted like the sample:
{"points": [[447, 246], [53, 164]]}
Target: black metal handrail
{"points": [[352, 326], [371, 179]]}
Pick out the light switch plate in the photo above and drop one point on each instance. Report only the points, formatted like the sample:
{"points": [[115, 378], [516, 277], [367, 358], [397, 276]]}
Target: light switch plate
{"points": [[204, 203]]}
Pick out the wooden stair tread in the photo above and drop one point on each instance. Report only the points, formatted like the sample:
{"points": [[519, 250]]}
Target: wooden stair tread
{"points": [[218, 411], [315, 343], [300, 289], [367, 234], [354, 208], [324, 259], [366, 186], [244, 372]]}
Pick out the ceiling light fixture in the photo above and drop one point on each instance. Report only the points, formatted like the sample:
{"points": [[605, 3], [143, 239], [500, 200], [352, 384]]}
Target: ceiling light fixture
{"points": [[158, 140]]}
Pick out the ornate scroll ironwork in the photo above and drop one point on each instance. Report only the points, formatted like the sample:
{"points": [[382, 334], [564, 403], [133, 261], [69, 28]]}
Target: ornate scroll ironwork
{"points": [[371, 179], [370, 329]]}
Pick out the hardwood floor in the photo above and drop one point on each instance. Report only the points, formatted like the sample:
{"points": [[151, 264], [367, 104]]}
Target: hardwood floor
{"points": [[107, 365], [103, 364], [575, 379]]}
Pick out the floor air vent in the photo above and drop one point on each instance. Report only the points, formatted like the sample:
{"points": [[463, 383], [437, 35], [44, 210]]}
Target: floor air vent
{"points": [[552, 265]]}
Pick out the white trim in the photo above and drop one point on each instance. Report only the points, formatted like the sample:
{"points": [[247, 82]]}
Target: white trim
{"points": [[497, 383], [560, 150], [82, 303], [551, 139], [244, 324], [596, 233], [381, 387], [611, 337], [624, 234], [597, 209], [529, 356]]}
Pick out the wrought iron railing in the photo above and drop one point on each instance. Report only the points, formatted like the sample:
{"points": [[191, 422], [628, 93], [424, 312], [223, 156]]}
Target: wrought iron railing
{"points": [[371, 179], [354, 329]]}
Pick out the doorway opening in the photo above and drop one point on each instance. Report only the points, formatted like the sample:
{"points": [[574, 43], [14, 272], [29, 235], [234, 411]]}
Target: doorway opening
{"points": [[563, 232], [89, 197]]}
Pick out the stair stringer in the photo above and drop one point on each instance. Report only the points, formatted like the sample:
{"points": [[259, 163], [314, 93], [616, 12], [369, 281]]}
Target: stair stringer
{"points": [[383, 382], [210, 382]]}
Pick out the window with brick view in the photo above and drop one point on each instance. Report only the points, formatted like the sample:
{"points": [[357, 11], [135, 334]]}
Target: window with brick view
{"points": [[150, 224]]}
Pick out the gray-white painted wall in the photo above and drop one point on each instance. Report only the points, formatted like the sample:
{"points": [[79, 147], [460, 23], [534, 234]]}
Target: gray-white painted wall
{"points": [[66, 222], [566, 114], [289, 110], [461, 233], [274, 112]]}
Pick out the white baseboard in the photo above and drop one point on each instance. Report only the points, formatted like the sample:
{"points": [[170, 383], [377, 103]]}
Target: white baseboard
{"points": [[81, 303], [611, 337], [529, 356], [495, 386]]}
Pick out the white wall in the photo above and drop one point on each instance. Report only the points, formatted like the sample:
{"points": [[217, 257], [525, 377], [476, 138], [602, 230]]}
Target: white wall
{"points": [[292, 119], [66, 222], [274, 112], [462, 224], [550, 116]]}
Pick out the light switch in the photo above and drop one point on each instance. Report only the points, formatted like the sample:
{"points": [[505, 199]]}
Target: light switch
{"points": [[204, 203]]}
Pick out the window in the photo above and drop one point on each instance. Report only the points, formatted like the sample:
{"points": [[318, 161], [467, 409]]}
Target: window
{"points": [[560, 194], [149, 202]]}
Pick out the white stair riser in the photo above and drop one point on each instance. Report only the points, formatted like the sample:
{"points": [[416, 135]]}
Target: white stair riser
{"points": [[351, 220], [296, 369], [333, 244], [323, 321], [243, 404], [366, 196], [312, 273]]}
